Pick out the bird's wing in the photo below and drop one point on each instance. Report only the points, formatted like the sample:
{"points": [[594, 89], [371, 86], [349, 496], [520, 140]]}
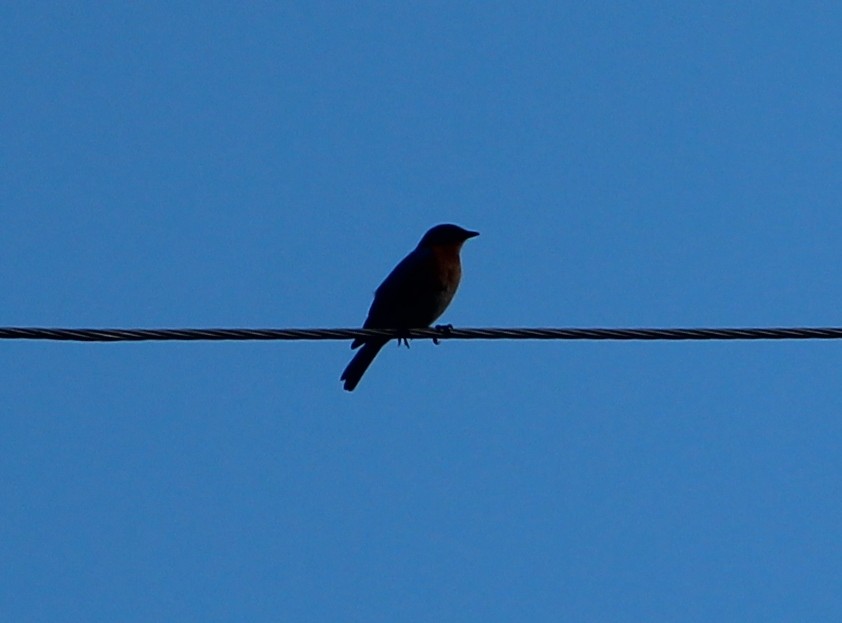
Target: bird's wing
{"points": [[408, 296]]}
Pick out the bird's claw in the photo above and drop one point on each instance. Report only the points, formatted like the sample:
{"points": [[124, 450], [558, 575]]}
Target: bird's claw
{"points": [[444, 329]]}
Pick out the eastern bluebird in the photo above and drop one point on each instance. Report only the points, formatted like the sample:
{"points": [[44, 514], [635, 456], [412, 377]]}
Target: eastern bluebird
{"points": [[414, 295]]}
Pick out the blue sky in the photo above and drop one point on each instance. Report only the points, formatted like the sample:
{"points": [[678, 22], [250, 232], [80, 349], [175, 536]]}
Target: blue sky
{"points": [[627, 164]]}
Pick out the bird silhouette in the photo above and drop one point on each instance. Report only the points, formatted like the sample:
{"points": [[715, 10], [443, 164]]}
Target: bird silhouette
{"points": [[413, 295]]}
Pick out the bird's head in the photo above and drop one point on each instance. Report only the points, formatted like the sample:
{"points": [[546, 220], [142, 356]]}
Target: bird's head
{"points": [[446, 235]]}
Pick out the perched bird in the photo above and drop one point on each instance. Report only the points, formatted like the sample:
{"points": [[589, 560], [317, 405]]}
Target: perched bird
{"points": [[414, 295]]}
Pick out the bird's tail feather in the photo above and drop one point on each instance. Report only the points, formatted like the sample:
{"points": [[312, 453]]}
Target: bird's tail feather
{"points": [[359, 364]]}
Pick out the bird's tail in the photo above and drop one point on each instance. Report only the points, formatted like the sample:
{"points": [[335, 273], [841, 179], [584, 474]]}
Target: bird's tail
{"points": [[359, 364]]}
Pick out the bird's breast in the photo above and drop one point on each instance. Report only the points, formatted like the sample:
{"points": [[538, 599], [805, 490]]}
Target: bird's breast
{"points": [[448, 272]]}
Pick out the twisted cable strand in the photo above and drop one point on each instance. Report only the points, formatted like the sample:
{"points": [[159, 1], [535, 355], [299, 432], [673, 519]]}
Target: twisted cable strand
{"points": [[440, 333]]}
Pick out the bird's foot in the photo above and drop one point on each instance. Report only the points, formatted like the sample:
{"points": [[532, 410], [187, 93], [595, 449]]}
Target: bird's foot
{"points": [[444, 329], [403, 339]]}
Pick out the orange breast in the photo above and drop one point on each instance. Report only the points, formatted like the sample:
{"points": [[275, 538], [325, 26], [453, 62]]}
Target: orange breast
{"points": [[448, 265]]}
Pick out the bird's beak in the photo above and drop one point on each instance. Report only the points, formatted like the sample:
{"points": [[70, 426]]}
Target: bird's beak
{"points": [[471, 234]]}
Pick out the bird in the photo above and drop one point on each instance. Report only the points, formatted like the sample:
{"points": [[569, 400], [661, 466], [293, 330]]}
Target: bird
{"points": [[413, 295]]}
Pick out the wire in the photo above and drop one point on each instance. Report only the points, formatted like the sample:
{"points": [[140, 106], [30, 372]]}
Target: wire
{"points": [[436, 333]]}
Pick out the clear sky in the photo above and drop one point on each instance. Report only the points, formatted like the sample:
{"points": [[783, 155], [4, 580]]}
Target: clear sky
{"points": [[266, 164]]}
